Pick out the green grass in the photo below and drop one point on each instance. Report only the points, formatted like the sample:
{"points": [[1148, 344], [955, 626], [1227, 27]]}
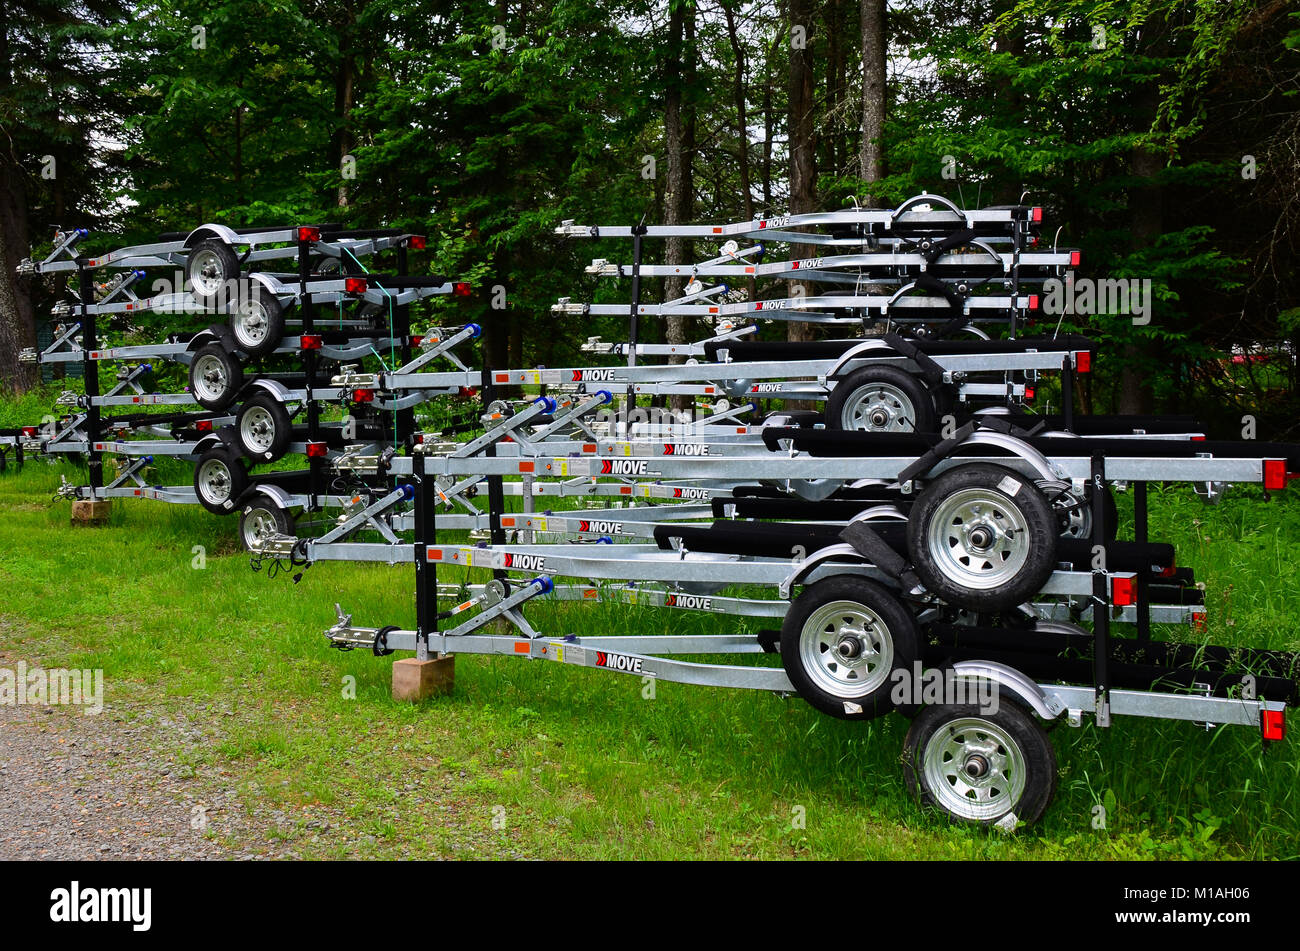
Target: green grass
{"points": [[578, 764]]}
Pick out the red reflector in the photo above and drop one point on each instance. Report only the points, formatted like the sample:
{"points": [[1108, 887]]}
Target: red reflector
{"points": [[363, 396], [523, 647], [1198, 439], [355, 285], [1275, 473], [461, 289], [29, 430], [417, 242], [1029, 392], [417, 340], [1033, 302], [419, 439], [312, 341], [315, 450], [1083, 362], [1123, 591], [1272, 724], [1038, 214], [1074, 259], [309, 234], [204, 425]]}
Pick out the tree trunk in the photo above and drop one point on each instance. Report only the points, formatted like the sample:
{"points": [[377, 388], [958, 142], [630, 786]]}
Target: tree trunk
{"points": [[17, 315], [803, 141], [679, 134], [344, 100], [871, 154]]}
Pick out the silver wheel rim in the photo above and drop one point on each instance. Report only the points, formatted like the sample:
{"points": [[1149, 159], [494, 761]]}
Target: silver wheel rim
{"points": [[846, 649], [214, 481], [206, 274], [879, 408], [257, 430], [210, 379], [973, 769], [1073, 513], [251, 323], [259, 524], [979, 539]]}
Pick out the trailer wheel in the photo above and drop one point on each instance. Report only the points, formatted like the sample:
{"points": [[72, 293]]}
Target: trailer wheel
{"points": [[978, 766], [215, 377], [219, 479], [257, 321], [262, 518], [264, 428], [211, 266], [1074, 514], [982, 536], [840, 641], [880, 399]]}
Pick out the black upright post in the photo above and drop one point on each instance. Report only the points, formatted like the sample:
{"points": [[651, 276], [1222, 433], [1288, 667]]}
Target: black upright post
{"points": [[404, 419], [1143, 585], [307, 310], [1067, 393], [90, 376], [496, 495], [638, 237], [426, 571], [1100, 599]]}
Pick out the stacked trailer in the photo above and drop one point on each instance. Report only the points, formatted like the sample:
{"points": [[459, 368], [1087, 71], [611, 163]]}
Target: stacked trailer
{"points": [[248, 414]]}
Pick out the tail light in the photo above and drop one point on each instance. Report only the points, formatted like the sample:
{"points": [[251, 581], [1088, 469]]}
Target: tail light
{"points": [[1123, 592], [1033, 302], [461, 289], [309, 234], [417, 340], [468, 391], [1272, 724], [1083, 362], [355, 285], [315, 450], [312, 341], [204, 425], [1036, 214], [29, 431], [363, 396], [1274, 474], [1029, 392], [1074, 258], [417, 242]]}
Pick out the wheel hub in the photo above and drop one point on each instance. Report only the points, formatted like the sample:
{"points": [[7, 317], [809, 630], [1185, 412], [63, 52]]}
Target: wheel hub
{"points": [[846, 649], [879, 407], [978, 539]]}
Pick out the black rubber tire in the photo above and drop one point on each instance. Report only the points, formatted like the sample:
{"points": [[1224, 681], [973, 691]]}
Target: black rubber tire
{"points": [[899, 632], [207, 391], [839, 404], [1007, 491], [1015, 725], [220, 269], [1110, 512], [219, 467], [259, 339], [264, 510], [271, 417]]}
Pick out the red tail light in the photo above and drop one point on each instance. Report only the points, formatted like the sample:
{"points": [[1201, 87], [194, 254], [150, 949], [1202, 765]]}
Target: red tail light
{"points": [[1074, 258], [315, 450], [1272, 724], [204, 425], [1123, 591], [312, 341], [1036, 215], [355, 285], [417, 241], [363, 396], [1033, 302], [1274, 474], [1169, 570], [29, 430], [461, 289], [1029, 392], [417, 340], [1083, 362], [309, 234], [468, 391]]}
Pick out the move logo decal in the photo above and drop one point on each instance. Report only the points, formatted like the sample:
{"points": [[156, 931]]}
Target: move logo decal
{"points": [[521, 562], [689, 602], [589, 376], [689, 493], [685, 449], [600, 527], [623, 467], [618, 661], [765, 388]]}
